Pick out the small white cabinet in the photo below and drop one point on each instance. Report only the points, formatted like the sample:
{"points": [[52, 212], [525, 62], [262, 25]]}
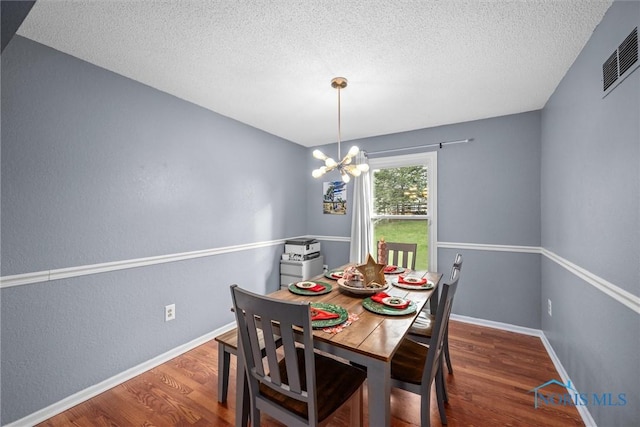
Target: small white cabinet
{"points": [[295, 271]]}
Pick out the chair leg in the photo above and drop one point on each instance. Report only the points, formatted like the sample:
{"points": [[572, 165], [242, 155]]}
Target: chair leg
{"points": [[244, 408], [445, 395], [223, 372], [425, 409], [440, 394], [356, 408], [446, 351], [255, 415]]}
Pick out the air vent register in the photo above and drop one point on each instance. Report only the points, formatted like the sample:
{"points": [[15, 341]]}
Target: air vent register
{"points": [[621, 63]]}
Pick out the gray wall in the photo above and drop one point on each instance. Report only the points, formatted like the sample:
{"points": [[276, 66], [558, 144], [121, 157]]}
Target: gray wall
{"points": [[488, 193], [99, 168], [591, 217]]}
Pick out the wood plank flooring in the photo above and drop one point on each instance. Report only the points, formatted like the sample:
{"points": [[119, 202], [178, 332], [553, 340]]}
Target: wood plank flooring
{"points": [[493, 373]]}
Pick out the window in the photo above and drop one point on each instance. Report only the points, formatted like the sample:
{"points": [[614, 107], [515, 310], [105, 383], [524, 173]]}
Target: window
{"points": [[404, 203]]}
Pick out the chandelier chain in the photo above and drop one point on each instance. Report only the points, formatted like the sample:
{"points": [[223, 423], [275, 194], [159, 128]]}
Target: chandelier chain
{"points": [[339, 123]]}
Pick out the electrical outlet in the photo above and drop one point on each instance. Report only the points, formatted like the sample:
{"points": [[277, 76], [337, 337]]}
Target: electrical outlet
{"points": [[549, 307], [169, 312], [325, 267]]}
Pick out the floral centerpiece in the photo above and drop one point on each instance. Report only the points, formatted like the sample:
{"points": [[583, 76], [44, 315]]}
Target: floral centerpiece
{"points": [[363, 279], [351, 274]]}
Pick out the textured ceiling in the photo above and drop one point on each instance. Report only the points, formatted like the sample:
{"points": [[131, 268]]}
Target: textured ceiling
{"points": [[410, 64]]}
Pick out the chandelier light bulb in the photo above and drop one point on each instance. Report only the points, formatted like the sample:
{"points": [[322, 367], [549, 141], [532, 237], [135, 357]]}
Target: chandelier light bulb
{"points": [[317, 173], [319, 155], [363, 167], [353, 151], [345, 177]]}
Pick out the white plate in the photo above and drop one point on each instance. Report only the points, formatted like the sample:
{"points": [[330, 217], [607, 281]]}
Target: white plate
{"points": [[394, 301], [334, 274], [305, 285], [424, 287]]}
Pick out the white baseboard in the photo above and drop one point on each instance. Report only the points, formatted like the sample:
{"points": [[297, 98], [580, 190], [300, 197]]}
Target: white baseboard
{"points": [[86, 394], [582, 410], [498, 325], [587, 419]]}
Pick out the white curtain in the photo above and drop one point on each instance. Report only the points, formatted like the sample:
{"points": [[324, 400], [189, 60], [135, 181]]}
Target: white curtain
{"points": [[361, 216]]}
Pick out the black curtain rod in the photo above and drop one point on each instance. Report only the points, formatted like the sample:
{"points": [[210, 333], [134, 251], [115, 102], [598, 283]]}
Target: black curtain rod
{"points": [[437, 144]]}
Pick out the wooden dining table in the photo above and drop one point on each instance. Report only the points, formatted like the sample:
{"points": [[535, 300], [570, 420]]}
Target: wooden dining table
{"points": [[369, 341]]}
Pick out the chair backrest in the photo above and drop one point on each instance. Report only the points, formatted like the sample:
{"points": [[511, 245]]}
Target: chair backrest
{"points": [[436, 343], [406, 250], [457, 263], [282, 323]]}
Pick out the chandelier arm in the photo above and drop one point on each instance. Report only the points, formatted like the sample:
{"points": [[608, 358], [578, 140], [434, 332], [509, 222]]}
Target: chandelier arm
{"points": [[333, 166], [346, 159]]}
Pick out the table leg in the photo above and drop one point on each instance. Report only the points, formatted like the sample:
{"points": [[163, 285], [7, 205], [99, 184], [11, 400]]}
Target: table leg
{"points": [[379, 393]]}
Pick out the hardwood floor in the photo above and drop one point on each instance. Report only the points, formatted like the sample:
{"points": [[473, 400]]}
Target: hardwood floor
{"points": [[493, 373]]}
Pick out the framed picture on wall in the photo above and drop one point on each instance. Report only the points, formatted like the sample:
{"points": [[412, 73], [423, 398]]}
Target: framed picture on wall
{"points": [[334, 198]]}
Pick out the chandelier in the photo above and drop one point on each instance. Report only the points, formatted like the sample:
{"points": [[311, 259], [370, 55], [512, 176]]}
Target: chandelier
{"points": [[345, 167]]}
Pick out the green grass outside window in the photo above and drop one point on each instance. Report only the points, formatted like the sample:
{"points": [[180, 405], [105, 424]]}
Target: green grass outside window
{"points": [[405, 231]]}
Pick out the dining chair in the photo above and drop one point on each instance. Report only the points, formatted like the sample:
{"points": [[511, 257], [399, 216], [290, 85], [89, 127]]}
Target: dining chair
{"points": [[415, 366], [293, 384], [402, 254], [228, 345], [421, 329]]}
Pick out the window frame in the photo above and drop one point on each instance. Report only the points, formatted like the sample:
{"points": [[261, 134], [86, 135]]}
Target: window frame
{"points": [[430, 161]]}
